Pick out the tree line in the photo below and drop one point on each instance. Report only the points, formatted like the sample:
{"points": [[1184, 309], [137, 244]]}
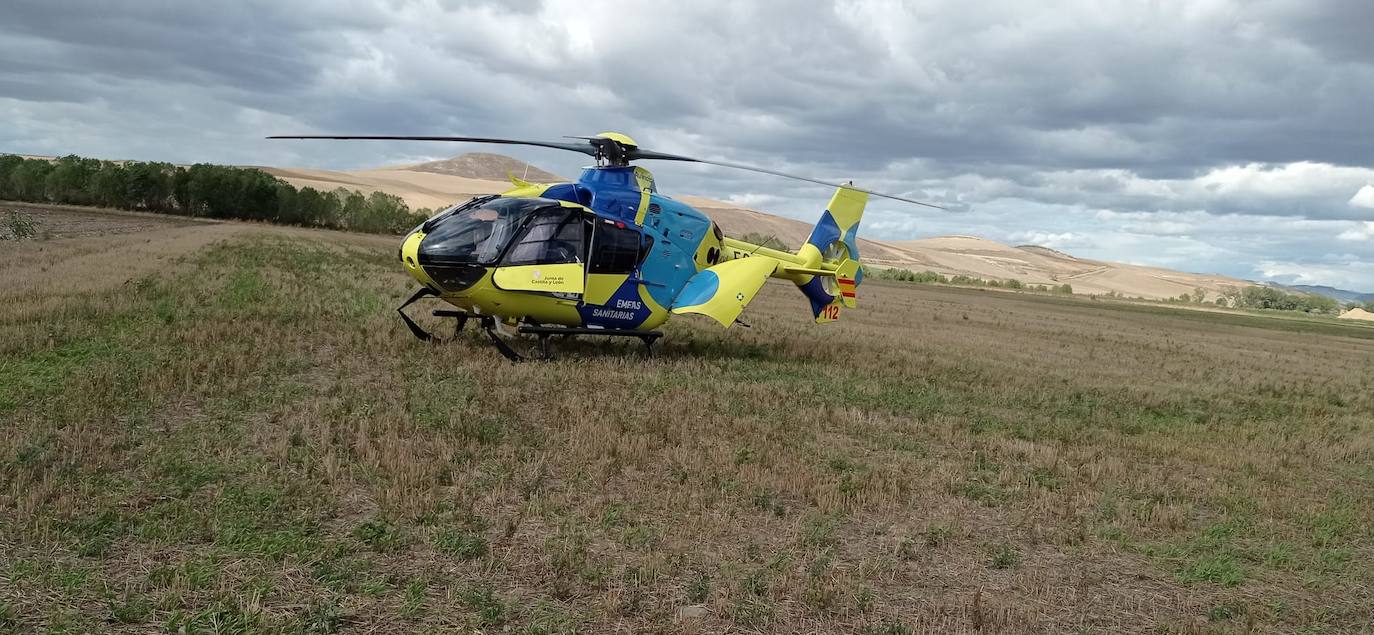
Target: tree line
{"points": [[201, 190], [1254, 297], [931, 277], [1262, 298]]}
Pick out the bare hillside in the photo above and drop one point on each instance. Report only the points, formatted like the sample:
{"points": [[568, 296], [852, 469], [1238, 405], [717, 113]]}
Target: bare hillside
{"points": [[419, 189], [484, 165]]}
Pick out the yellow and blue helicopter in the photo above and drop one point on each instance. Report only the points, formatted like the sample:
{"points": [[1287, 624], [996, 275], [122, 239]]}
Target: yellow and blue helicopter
{"points": [[609, 255]]}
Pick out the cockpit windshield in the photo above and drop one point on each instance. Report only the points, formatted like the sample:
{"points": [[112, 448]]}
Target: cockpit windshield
{"points": [[477, 235]]}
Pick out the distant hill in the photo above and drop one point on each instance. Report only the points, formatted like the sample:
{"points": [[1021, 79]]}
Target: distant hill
{"points": [[1340, 295], [483, 165], [438, 184], [431, 185]]}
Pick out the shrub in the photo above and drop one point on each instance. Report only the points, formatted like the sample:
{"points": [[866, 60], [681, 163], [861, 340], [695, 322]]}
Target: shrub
{"points": [[19, 226], [1270, 298]]}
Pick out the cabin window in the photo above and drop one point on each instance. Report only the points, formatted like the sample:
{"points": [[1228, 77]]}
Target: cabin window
{"points": [[616, 249], [553, 236]]}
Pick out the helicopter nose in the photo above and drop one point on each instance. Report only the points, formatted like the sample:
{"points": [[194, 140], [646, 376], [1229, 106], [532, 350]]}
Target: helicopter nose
{"points": [[436, 272], [409, 254]]}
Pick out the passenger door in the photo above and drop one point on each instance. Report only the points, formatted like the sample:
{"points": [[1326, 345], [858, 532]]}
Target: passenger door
{"points": [[614, 255]]}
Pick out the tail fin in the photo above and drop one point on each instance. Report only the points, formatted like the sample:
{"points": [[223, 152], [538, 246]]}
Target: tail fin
{"points": [[833, 246]]}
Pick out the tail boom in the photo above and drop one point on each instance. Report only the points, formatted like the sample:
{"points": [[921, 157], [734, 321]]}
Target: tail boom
{"points": [[825, 268]]}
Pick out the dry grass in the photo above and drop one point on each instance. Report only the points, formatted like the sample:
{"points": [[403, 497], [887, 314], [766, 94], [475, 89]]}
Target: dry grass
{"points": [[242, 437]]}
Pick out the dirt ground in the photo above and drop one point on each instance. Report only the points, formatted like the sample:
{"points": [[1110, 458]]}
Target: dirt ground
{"points": [[57, 222]]}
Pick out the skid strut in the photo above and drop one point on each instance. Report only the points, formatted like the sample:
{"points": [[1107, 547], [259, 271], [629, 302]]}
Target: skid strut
{"points": [[489, 325], [460, 316], [420, 333]]}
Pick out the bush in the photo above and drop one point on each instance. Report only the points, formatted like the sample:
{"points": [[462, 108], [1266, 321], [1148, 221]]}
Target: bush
{"points": [[930, 277], [1270, 298], [19, 226], [904, 275]]}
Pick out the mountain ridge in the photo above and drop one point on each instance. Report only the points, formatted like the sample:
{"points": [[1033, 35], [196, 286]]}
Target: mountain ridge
{"points": [[1340, 295]]}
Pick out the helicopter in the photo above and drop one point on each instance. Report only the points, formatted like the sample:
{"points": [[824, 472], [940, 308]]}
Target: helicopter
{"points": [[608, 255]]}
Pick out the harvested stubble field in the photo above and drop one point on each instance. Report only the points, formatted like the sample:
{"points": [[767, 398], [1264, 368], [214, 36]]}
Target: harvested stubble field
{"points": [[226, 428]]}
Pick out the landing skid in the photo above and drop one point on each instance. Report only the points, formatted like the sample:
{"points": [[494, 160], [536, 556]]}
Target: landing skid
{"points": [[543, 332], [488, 324]]}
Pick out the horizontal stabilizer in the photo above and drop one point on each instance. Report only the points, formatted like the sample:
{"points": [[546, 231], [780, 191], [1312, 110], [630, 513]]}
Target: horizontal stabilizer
{"points": [[786, 268], [847, 278], [721, 292]]}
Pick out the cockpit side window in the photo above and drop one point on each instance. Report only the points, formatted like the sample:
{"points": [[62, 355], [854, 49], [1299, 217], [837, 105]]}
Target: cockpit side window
{"points": [[615, 248], [552, 236]]}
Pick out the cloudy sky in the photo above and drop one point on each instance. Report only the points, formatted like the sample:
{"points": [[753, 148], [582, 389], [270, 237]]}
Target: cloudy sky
{"points": [[1205, 135]]}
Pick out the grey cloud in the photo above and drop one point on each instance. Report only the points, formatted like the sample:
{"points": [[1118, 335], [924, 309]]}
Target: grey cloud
{"points": [[1039, 115], [1338, 28]]}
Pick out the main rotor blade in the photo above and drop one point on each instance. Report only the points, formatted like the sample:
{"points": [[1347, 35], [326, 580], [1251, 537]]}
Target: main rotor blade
{"points": [[584, 148], [631, 153], [648, 154]]}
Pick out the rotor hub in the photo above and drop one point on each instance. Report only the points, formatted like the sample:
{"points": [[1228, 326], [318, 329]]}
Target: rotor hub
{"points": [[613, 148]]}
